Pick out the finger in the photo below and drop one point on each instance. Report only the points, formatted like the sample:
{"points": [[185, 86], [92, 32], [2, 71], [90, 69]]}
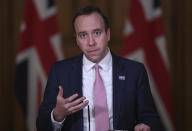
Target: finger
{"points": [[142, 127], [75, 102], [71, 98], [60, 91], [145, 127], [79, 106], [138, 128], [69, 106]]}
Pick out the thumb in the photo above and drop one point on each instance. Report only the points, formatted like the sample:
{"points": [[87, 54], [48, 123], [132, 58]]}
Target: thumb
{"points": [[60, 91]]}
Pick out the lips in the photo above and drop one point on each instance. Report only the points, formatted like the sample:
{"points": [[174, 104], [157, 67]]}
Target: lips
{"points": [[92, 51]]}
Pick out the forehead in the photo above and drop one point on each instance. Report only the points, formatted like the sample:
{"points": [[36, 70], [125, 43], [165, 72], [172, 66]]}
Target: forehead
{"points": [[89, 22]]}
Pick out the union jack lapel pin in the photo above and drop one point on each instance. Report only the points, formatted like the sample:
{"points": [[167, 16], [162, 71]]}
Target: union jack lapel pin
{"points": [[121, 77]]}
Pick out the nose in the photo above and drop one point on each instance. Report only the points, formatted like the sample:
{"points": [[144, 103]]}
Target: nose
{"points": [[91, 40]]}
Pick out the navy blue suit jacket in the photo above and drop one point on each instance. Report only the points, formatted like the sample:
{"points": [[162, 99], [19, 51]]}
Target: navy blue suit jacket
{"points": [[132, 99]]}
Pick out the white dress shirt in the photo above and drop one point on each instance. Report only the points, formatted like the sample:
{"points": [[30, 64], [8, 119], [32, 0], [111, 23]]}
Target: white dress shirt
{"points": [[88, 79], [88, 84]]}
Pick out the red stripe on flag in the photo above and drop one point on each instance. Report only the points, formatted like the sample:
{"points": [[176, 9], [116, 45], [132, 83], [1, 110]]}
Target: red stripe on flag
{"points": [[26, 39], [42, 33], [39, 94], [144, 35], [36, 46]]}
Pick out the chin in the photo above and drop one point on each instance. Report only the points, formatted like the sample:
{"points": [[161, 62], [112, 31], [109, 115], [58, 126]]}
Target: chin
{"points": [[95, 60]]}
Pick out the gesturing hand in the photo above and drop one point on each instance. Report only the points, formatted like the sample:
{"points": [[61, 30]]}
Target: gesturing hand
{"points": [[67, 106]]}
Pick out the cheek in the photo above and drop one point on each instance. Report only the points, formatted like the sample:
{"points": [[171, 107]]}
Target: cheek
{"points": [[104, 42], [81, 44]]}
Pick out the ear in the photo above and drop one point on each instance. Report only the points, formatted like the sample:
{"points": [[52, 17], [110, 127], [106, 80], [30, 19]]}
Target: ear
{"points": [[108, 34]]}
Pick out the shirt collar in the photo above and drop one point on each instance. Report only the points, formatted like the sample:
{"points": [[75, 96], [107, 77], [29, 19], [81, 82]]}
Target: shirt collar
{"points": [[105, 63]]}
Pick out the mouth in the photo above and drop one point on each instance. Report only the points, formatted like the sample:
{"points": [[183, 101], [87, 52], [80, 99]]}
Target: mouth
{"points": [[92, 51]]}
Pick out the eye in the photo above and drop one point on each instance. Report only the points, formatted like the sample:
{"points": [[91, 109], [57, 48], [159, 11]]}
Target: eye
{"points": [[82, 35], [98, 32]]}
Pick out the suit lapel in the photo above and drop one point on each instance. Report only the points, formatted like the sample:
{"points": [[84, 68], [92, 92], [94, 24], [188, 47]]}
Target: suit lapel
{"points": [[76, 85], [76, 76], [116, 91]]}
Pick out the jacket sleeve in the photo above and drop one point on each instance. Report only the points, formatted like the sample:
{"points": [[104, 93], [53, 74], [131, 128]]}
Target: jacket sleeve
{"points": [[147, 112], [43, 122]]}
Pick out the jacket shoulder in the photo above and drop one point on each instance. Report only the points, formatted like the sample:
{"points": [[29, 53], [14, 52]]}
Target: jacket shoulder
{"points": [[69, 61], [125, 62]]}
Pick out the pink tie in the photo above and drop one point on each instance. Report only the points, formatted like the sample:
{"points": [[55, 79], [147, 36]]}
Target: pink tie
{"points": [[100, 103]]}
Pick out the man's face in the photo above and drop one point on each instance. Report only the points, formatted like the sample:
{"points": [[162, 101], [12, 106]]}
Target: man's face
{"points": [[91, 36]]}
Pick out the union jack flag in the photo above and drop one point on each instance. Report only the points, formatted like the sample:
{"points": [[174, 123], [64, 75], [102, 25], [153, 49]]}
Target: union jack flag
{"points": [[144, 41], [39, 47]]}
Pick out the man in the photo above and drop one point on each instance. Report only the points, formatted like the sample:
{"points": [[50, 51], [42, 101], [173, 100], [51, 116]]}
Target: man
{"points": [[72, 84]]}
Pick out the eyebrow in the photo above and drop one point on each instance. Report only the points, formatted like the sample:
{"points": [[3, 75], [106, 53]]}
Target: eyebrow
{"points": [[81, 32], [97, 29]]}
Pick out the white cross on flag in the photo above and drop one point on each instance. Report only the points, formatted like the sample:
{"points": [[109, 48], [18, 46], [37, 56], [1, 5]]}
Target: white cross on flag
{"points": [[39, 47], [144, 41]]}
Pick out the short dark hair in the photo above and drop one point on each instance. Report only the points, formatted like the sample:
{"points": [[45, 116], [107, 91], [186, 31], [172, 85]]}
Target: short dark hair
{"points": [[89, 10]]}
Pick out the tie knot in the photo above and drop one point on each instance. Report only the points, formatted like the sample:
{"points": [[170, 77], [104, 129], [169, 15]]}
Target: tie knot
{"points": [[97, 67]]}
